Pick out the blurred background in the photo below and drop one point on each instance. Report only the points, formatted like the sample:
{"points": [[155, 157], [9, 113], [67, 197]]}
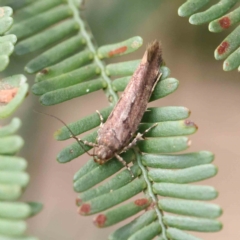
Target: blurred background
{"points": [[211, 94]]}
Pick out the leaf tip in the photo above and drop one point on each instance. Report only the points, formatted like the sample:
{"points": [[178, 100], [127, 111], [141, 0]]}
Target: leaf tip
{"points": [[189, 123], [29, 69], [78, 201], [100, 220], [226, 66], [222, 48], [56, 134], [225, 22], [84, 209]]}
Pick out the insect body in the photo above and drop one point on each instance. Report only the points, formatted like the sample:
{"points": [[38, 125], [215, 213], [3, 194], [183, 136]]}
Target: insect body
{"points": [[116, 133]]}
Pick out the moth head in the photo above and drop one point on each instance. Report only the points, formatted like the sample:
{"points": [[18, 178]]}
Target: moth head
{"points": [[103, 154]]}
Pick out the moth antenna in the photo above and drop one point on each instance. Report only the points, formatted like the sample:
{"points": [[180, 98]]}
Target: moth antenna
{"points": [[72, 134]]}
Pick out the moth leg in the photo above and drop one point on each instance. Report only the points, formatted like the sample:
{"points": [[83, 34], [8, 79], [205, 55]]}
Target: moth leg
{"points": [[147, 130], [157, 80], [137, 138], [91, 144], [120, 159], [101, 117]]}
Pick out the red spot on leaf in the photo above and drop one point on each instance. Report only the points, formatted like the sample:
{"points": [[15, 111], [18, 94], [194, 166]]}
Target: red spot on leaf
{"points": [[190, 123], [100, 220], [84, 209], [117, 51], [141, 202], [223, 47], [78, 201], [44, 71], [225, 22], [6, 95]]}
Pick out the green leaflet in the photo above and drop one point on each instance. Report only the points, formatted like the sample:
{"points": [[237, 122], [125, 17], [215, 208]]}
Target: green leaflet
{"points": [[12, 163], [46, 38], [82, 125], [10, 192], [55, 54], [42, 21], [148, 232], [101, 172], [174, 233], [192, 174], [10, 144], [110, 199], [5, 20], [226, 21], [12, 228], [119, 49], [13, 90], [128, 230], [213, 12], [190, 7], [67, 65], [121, 213], [11, 127], [193, 224], [17, 210], [179, 161], [35, 8], [118, 181], [15, 4], [185, 191], [190, 208]]}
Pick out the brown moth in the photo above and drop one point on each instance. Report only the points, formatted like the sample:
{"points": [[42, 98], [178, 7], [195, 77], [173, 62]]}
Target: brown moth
{"points": [[115, 134]]}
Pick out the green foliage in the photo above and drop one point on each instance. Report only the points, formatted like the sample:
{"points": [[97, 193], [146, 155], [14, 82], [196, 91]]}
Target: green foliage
{"points": [[68, 65], [13, 178], [12, 89], [13, 181], [6, 42], [219, 19]]}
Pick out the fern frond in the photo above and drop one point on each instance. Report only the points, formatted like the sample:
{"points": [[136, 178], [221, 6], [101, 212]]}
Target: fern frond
{"points": [[13, 178], [73, 66], [219, 19]]}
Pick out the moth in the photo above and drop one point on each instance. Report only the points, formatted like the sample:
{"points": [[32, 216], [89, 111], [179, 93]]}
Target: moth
{"points": [[115, 136]]}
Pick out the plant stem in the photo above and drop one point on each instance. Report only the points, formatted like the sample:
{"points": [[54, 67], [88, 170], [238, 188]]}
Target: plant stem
{"points": [[110, 93]]}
